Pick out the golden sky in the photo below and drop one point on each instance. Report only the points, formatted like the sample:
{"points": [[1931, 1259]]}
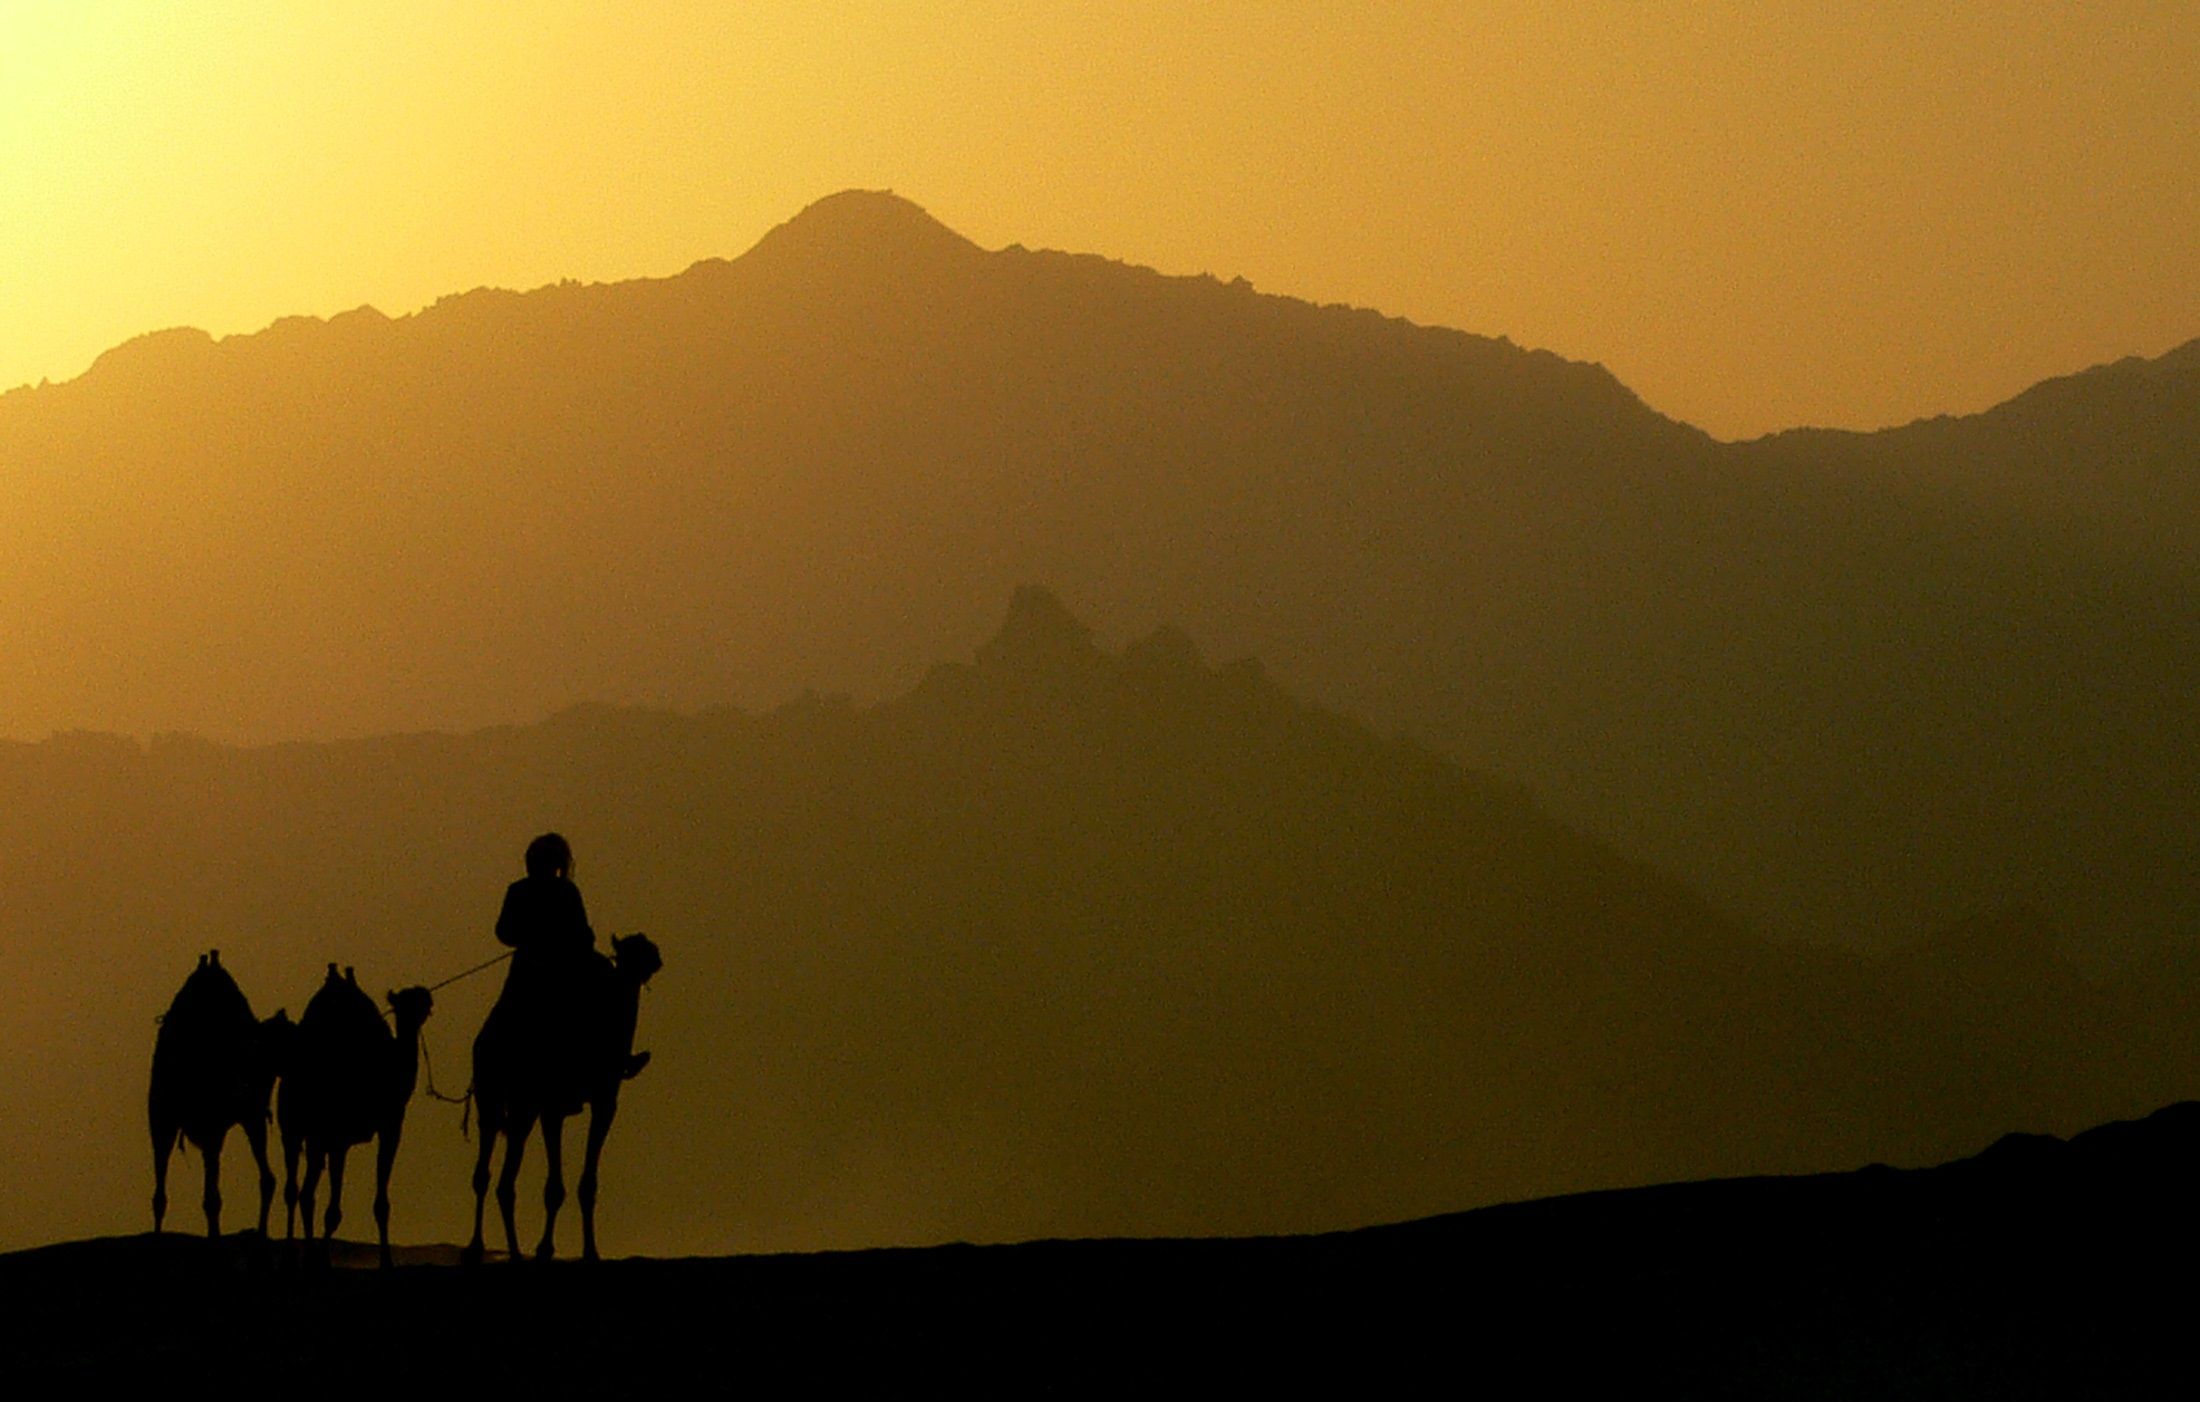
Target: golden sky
{"points": [[1756, 214]]}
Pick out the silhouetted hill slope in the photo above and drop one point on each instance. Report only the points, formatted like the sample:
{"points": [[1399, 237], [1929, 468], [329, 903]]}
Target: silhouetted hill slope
{"points": [[1852, 686], [2105, 455], [1063, 941], [2038, 1268]]}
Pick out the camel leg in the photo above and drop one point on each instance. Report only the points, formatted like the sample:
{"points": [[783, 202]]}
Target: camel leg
{"points": [[385, 1158], [255, 1134], [600, 1116], [516, 1129], [553, 1184], [210, 1153], [316, 1159], [335, 1192], [475, 1249], [164, 1141], [290, 1190]]}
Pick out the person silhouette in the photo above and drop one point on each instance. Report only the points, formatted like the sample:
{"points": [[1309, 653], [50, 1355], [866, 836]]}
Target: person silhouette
{"points": [[547, 991], [543, 918], [546, 924]]}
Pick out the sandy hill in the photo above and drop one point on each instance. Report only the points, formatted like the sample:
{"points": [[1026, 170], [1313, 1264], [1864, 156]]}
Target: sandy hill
{"points": [[2033, 1269]]}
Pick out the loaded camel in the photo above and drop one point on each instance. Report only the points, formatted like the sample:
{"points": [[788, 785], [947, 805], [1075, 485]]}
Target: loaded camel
{"points": [[214, 1064], [349, 1081], [573, 1046]]}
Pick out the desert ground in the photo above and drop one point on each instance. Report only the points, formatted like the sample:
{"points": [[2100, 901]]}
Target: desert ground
{"points": [[2039, 1267]]}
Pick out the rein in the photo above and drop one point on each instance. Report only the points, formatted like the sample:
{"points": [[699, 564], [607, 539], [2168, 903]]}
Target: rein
{"points": [[427, 1062], [429, 1066], [484, 964]]}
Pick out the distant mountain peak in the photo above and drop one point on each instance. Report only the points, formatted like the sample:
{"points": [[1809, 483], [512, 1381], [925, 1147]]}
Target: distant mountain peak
{"points": [[1167, 648], [864, 221], [1039, 629], [153, 354], [2180, 358]]}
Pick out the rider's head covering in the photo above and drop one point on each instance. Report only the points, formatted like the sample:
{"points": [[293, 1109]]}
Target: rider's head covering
{"points": [[549, 855]]}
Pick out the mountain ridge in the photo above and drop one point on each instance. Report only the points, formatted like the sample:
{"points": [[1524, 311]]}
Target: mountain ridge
{"points": [[880, 223], [1853, 689], [2057, 392]]}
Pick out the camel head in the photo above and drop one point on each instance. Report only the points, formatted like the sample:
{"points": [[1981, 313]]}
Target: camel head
{"points": [[636, 957], [271, 1047], [411, 1006], [277, 1035]]}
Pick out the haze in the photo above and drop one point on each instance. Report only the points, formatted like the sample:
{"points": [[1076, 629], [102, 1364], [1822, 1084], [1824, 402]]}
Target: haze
{"points": [[1756, 215], [1115, 741]]}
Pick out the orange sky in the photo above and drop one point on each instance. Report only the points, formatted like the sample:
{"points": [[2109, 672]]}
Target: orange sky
{"points": [[1757, 214]]}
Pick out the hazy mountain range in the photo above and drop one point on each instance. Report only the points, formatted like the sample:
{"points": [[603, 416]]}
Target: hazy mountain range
{"points": [[1851, 686], [1062, 941]]}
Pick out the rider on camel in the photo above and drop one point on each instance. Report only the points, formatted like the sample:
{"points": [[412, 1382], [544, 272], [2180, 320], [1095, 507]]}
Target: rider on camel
{"points": [[545, 923]]}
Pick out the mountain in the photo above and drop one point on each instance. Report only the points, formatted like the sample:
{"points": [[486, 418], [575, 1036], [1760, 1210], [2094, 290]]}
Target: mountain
{"points": [[1854, 687], [1063, 941]]}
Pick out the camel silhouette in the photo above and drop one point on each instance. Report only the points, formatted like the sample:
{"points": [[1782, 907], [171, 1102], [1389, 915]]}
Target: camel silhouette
{"points": [[349, 1080], [214, 1065], [544, 1063]]}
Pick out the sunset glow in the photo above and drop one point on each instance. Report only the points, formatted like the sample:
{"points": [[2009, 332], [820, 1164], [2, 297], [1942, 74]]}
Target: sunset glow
{"points": [[1127, 697], [1756, 215]]}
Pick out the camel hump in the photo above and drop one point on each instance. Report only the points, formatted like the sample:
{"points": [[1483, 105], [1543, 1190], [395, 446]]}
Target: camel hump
{"points": [[208, 1030], [209, 998], [340, 1015]]}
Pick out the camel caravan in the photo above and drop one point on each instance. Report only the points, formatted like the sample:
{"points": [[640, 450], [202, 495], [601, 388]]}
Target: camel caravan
{"points": [[559, 1039]]}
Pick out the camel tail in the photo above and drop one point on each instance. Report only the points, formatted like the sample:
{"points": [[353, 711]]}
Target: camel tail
{"points": [[466, 1116]]}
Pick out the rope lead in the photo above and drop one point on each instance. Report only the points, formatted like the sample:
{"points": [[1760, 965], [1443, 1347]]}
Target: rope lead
{"points": [[484, 964], [428, 1063]]}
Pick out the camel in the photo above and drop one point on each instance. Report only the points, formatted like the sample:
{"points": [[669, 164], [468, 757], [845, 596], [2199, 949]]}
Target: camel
{"points": [[349, 1081], [531, 1065], [214, 1065]]}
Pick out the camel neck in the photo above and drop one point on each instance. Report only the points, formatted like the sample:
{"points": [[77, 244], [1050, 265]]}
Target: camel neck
{"points": [[628, 1011], [407, 1066]]}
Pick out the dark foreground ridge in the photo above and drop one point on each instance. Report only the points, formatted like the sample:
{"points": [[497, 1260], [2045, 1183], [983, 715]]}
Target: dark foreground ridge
{"points": [[2040, 1267]]}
